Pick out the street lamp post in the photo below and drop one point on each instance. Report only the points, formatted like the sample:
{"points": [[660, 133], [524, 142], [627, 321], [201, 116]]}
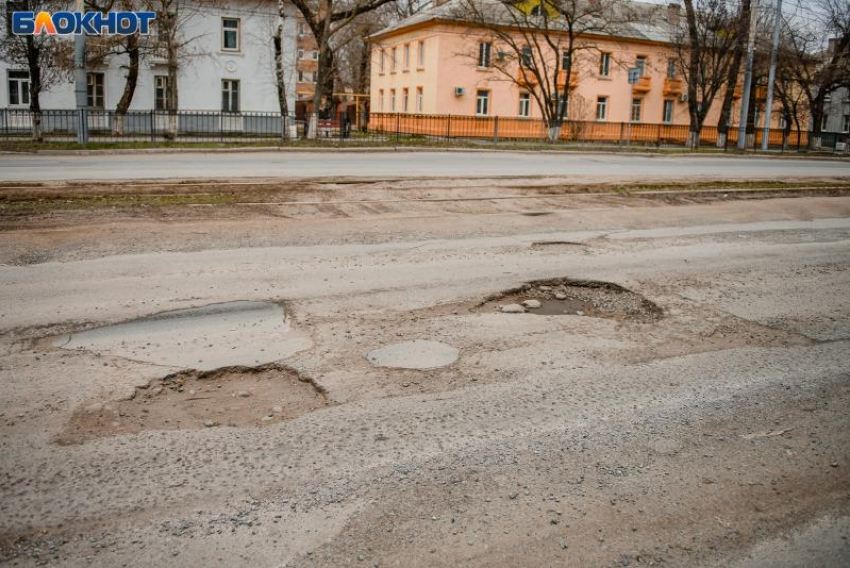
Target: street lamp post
{"points": [[80, 77]]}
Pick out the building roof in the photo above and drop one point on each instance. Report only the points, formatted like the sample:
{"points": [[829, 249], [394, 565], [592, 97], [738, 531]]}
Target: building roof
{"points": [[648, 24]]}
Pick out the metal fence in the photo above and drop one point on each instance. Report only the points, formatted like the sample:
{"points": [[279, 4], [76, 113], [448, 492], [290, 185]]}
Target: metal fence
{"points": [[377, 129]]}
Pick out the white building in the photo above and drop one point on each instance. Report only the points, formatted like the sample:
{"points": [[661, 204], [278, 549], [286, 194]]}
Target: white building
{"points": [[229, 66]]}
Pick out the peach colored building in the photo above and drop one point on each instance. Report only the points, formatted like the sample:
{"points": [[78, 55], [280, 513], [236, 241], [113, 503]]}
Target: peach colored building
{"points": [[432, 63]]}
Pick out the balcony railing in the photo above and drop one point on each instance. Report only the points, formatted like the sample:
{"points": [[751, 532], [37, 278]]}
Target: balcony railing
{"points": [[673, 87], [643, 85]]}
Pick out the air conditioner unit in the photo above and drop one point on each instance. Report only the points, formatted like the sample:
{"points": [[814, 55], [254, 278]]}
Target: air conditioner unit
{"points": [[683, 98], [460, 91]]}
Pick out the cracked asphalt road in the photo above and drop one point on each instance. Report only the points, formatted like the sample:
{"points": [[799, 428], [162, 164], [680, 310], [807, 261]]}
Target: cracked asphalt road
{"points": [[716, 435]]}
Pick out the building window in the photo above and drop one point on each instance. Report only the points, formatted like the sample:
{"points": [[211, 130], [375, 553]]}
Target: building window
{"points": [[162, 92], [393, 60], [314, 55], [300, 54], [564, 106], [405, 99], [421, 55], [640, 64], [230, 34], [668, 111], [846, 123], [19, 88], [672, 68], [565, 59], [380, 99], [482, 103], [484, 50], [602, 108], [406, 56], [302, 28], [381, 60], [419, 99], [230, 95], [392, 100], [526, 58], [780, 122], [94, 90], [637, 104], [524, 105], [604, 64]]}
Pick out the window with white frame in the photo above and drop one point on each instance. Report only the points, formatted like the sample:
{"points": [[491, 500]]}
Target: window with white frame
{"points": [[640, 64], [314, 55], [19, 88], [162, 92], [484, 49], [604, 64], [406, 56], [405, 99], [380, 99], [382, 55], [419, 99], [637, 106], [230, 34], [602, 108], [302, 28], [393, 60], [95, 90], [526, 57], [565, 59], [420, 55], [300, 54], [482, 102], [524, 105], [846, 126], [667, 117], [672, 68], [230, 95], [392, 100]]}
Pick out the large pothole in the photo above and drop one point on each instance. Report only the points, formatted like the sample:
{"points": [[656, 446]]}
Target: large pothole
{"points": [[241, 333], [563, 296], [190, 400]]}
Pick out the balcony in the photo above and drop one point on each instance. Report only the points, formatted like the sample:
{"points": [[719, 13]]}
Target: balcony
{"points": [[562, 75], [644, 85], [673, 87], [526, 77]]}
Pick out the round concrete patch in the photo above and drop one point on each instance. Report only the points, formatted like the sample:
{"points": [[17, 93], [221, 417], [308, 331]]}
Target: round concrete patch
{"points": [[416, 354]]}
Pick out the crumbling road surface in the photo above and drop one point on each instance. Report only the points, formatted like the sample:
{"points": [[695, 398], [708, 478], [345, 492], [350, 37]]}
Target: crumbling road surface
{"points": [[587, 379]]}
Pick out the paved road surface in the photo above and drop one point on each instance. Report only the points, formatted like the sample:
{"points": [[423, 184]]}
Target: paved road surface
{"points": [[401, 164], [716, 435]]}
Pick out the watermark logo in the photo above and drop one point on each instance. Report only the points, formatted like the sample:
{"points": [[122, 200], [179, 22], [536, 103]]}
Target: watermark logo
{"points": [[78, 23]]}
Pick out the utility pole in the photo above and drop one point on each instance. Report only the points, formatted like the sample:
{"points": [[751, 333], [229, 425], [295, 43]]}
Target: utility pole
{"points": [[771, 77], [80, 77], [748, 77]]}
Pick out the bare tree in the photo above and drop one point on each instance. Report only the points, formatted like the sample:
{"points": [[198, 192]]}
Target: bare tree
{"points": [[734, 72], [818, 68], [536, 46], [706, 49], [325, 19], [172, 42], [100, 48], [48, 59]]}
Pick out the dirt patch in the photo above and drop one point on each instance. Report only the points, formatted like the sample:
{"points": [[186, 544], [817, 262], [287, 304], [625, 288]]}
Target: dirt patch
{"points": [[564, 296], [190, 400]]}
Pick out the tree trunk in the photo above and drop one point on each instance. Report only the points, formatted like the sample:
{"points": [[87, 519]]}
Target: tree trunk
{"points": [[817, 122], [732, 77], [129, 85], [34, 67], [280, 79], [693, 77]]}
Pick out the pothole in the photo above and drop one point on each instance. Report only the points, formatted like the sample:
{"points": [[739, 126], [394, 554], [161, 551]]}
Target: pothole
{"points": [[241, 333], [564, 296], [416, 354], [536, 213], [191, 400]]}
